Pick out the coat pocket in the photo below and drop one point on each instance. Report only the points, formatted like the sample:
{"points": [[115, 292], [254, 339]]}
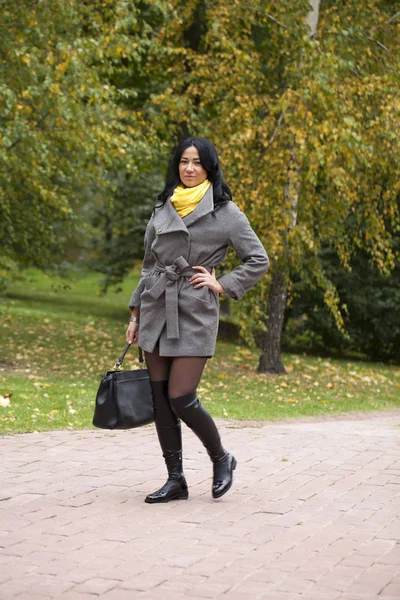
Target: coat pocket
{"points": [[203, 295], [149, 282]]}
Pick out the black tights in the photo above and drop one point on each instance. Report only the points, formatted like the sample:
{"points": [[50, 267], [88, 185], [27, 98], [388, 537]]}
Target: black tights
{"points": [[174, 382], [182, 372]]}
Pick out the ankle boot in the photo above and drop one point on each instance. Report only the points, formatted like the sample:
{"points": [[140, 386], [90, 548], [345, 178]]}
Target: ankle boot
{"points": [[223, 475], [173, 489], [194, 415], [169, 434]]}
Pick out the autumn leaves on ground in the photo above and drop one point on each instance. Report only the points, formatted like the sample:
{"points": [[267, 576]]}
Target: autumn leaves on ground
{"points": [[57, 339]]}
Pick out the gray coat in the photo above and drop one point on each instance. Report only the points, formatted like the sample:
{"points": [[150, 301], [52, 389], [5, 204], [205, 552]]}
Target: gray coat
{"points": [[183, 319]]}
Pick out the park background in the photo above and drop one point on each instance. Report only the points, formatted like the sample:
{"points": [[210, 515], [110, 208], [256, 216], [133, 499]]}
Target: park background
{"points": [[302, 102]]}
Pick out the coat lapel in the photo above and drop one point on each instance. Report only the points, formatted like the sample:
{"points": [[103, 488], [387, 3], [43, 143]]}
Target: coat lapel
{"points": [[205, 206], [167, 220]]}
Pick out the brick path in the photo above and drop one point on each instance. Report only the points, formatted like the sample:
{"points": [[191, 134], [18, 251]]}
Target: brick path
{"points": [[313, 515]]}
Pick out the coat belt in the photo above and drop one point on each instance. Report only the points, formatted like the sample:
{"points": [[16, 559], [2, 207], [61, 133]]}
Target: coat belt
{"points": [[168, 283]]}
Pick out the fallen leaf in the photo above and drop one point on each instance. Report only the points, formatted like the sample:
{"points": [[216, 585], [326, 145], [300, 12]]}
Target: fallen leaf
{"points": [[4, 401]]}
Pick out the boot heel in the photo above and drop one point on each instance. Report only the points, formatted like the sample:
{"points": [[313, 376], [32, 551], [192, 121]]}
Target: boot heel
{"points": [[182, 495], [234, 463]]}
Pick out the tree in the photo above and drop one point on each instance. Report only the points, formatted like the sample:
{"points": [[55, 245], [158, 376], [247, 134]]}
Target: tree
{"points": [[70, 114], [371, 318], [118, 230], [306, 131]]}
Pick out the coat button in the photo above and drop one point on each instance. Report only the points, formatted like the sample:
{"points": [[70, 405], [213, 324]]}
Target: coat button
{"points": [[159, 230]]}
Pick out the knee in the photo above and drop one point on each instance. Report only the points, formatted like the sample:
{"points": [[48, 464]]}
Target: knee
{"points": [[181, 404]]}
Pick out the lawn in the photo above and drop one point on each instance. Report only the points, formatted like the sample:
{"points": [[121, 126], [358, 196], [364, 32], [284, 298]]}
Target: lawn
{"points": [[58, 338]]}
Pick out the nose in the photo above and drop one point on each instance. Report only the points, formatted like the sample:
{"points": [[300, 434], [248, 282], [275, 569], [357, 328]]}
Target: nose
{"points": [[189, 168]]}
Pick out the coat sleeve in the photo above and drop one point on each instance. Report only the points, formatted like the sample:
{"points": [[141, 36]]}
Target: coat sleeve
{"points": [[147, 266], [251, 252]]}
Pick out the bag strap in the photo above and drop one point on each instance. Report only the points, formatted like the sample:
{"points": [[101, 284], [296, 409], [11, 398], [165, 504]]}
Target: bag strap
{"points": [[141, 359], [121, 358]]}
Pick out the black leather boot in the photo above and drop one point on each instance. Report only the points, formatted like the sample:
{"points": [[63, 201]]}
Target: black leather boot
{"points": [[223, 475], [173, 489], [169, 434], [192, 412]]}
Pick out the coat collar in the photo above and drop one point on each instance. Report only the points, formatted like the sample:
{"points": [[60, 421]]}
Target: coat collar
{"points": [[167, 220], [205, 206]]}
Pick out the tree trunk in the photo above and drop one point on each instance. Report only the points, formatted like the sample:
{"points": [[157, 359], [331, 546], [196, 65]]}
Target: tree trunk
{"points": [[313, 16], [270, 359]]}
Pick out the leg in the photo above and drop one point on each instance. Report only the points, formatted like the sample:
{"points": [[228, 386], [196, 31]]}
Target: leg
{"points": [[184, 378], [168, 430]]}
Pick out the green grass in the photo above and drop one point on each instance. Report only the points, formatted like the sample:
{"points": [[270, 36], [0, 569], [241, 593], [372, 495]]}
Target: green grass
{"points": [[56, 342]]}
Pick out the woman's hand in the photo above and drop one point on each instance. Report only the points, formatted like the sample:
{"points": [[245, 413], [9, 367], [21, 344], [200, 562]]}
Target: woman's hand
{"points": [[205, 278], [132, 333]]}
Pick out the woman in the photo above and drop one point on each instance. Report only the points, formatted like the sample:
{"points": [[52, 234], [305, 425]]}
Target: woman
{"points": [[175, 306]]}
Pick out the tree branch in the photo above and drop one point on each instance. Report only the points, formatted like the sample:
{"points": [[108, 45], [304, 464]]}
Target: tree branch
{"points": [[371, 39], [269, 17], [276, 21], [17, 141], [355, 73], [393, 17], [272, 138]]}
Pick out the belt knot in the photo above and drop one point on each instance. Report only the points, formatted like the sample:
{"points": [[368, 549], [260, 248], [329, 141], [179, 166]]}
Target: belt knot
{"points": [[171, 272]]}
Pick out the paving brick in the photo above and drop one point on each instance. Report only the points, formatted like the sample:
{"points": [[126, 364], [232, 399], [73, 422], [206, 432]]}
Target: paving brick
{"points": [[377, 547], [393, 589], [358, 560], [210, 589], [293, 584], [74, 595], [96, 585], [144, 582], [279, 595], [341, 577], [374, 580], [325, 593], [32, 596]]}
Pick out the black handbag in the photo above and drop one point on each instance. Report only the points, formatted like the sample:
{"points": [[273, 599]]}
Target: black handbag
{"points": [[124, 398]]}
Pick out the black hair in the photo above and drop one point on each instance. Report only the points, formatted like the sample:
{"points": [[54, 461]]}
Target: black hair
{"points": [[209, 161]]}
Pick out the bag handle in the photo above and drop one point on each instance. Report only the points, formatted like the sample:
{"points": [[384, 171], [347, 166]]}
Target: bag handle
{"points": [[121, 358]]}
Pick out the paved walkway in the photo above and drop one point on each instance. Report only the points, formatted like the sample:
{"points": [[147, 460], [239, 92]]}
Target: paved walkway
{"points": [[313, 515]]}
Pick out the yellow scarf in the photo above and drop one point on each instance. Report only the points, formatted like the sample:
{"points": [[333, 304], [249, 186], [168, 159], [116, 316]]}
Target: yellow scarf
{"points": [[185, 200]]}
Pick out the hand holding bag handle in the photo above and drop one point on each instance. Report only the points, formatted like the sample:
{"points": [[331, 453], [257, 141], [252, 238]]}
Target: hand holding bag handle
{"points": [[119, 362], [124, 398]]}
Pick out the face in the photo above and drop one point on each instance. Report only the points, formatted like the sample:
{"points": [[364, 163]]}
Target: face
{"points": [[191, 171]]}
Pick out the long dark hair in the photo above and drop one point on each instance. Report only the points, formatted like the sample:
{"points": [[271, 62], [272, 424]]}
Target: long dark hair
{"points": [[209, 161]]}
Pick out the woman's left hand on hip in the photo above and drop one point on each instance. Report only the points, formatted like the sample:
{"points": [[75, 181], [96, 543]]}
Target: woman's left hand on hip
{"points": [[205, 278]]}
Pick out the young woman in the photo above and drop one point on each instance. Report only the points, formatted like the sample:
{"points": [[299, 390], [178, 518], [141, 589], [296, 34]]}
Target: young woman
{"points": [[175, 306]]}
